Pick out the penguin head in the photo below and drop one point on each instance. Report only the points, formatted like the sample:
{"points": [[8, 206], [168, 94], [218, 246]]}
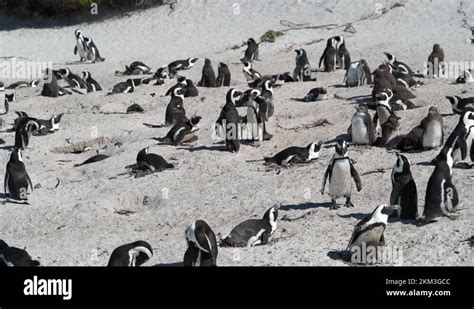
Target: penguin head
{"points": [[433, 110], [162, 72], [55, 121], [339, 41], [436, 48], [384, 96], [341, 148], [361, 108], [63, 73], [454, 100], [34, 83], [247, 65], [179, 92], [251, 41], [207, 61], [192, 60], [16, 155], [268, 85], [139, 253], [382, 212], [142, 154], [468, 120], [402, 165], [131, 82], [78, 33], [314, 149], [271, 215], [391, 57], [299, 53], [233, 96], [195, 119], [182, 81], [86, 75]]}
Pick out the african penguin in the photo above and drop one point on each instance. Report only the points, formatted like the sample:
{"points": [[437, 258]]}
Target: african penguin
{"points": [[315, 94], [208, 76], [93, 52], [51, 87], [137, 68], [404, 192], [361, 130], [179, 65], [398, 64], [229, 121], [92, 84], [247, 97], [152, 162], [358, 74], [94, 159], [124, 87], [223, 75], [26, 127], [73, 80], [202, 245], [251, 53], [251, 75], [23, 84], [388, 128], [182, 132], [342, 52], [302, 70], [330, 56], [253, 232], [460, 105], [436, 61], [175, 112], [17, 179], [340, 173], [427, 135], [4, 107], [48, 126], [15, 257], [295, 155], [131, 255], [465, 77], [81, 47]]}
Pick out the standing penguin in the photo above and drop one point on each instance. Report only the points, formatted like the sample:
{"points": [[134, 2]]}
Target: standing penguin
{"points": [[251, 75], [26, 127], [251, 53], [340, 171], [189, 89], [202, 245], [358, 74], [175, 112], [362, 130], [73, 80], [81, 47], [330, 56], [436, 61], [253, 232], [15, 257], [223, 75], [92, 84], [131, 255], [4, 107], [229, 121], [465, 131], [384, 110], [182, 132], [17, 179], [93, 52], [404, 193], [342, 52], [302, 71], [208, 76]]}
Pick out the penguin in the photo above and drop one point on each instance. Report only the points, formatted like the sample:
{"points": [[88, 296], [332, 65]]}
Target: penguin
{"points": [[340, 171], [124, 87], [361, 130], [175, 112], [388, 128], [17, 181], [182, 64], [4, 106], [342, 52], [223, 75], [282, 78], [330, 56], [229, 121], [97, 158], [23, 84], [93, 52], [161, 74], [315, 94], [131, 255], [370, 231], [15, 257], [182, 132], [181, 83], [73, 80], [302, 71], [26, 127], [251, 53], [404, 192], [247, 97], [383, 108], [250, 74], [398, 64], [51, 88], [296, 155], [202, 245], [382, 80], [358, 74], [152, 162], [48, 126], [137, 68], [267, 95], [441, 195], [465, 77], [253, 232], [92, 84], [403, 77], [255, 122], [460, 105], [436, 61], [398, 102], [17, 120], [427, 135], [465, 131], [81, 47], [208, 76], [189, 89]]}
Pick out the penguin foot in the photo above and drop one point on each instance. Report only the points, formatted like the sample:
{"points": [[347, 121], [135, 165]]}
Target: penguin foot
{"points": [[267, 136], [334, 205], [349, 203]]}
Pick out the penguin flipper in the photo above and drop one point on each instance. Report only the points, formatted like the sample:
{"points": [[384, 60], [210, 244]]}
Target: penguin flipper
{"points": [[356, 177], [75, 50], [5, 183], [29, 181], [461, 142], [326, 174], [322, 58]]}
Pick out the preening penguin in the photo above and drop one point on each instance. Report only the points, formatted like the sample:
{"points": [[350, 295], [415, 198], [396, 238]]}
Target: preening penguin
{"points": [[208, 76], [175, 112], [124, 87], [93, 52], [251, 53], [330, 56], [302, 71], [15, 257], [398, 65], [73, 80], [26, 127], [182, 132], [223, 75], [229, 121], [428, 134], [4, 107], [17, 179], [295, 155], [92, 84], [342, 52], [358, 74], [137, 68], [340, 172], [460, 105], [202, 245], [404, 192], [253, 232], [131, 255], [152, 162]]}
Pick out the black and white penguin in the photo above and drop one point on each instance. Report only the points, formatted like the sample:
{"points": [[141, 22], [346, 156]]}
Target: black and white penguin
{"points": [[137, 68], [460, 105], [181, 82], [94, 159], [48, 126], [229, 122], [388, 128], [315, 94], [81, 47], [51, 87], [73, 80], [175, 112], [247, 97], [302, 70], [223, 75], [296, 155], [124, 87], [131, 255], [208, 78], [152, 162], [17, 181], [15, 257], [370, 231], [189, 89], [92, 84], [251, 75], [465, 77], [251, 53], [267, 95], [202, 245], [382, 80], [436, 61], [383, 108], [342, 52], [161, 74], [427, 135], [361, 130], [93, 52], [24, 84], [4, 106], [253, 232], [330, 56], [182, 132], [17, 120], [400, 66], [340, 173], [179, 65], [404, 192], [358, 74], [26, 127], [465, 131]]}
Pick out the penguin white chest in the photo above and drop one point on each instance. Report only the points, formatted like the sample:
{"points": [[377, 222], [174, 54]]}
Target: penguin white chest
{"points": [[340, 182], [360, 133], [80, 48], [371, 235], [433, 135]]}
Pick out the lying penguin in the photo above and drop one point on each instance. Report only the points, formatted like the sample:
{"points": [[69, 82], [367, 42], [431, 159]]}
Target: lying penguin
{"points": [[315, 94], [295, 155], [15, 257], [202, 245], [151, 162], [253, 232], [182, 132], [131, 255]]}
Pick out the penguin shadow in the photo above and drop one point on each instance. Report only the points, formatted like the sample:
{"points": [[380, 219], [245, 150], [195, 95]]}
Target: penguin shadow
{"points": [[304, 206], [9, 148], [203, 148], [176, 264], [358, 215], [338, 255]]}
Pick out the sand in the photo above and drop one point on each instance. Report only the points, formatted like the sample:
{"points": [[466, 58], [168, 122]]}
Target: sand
{"points": [[81, 220]]}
